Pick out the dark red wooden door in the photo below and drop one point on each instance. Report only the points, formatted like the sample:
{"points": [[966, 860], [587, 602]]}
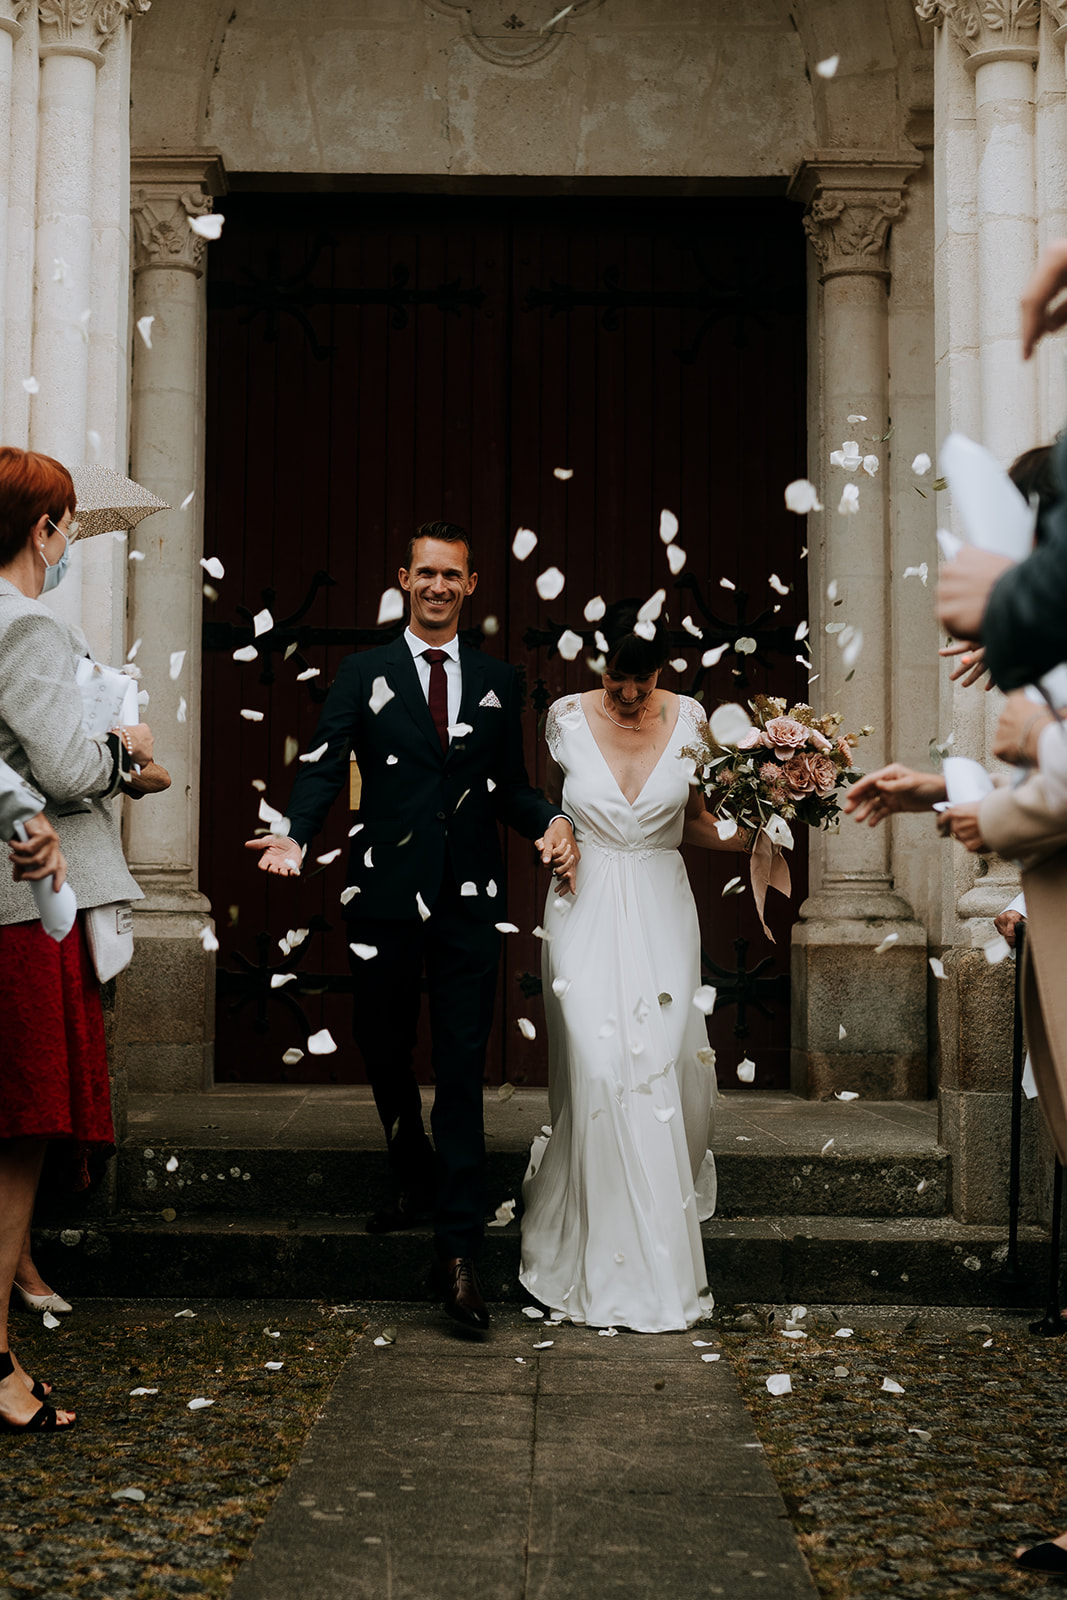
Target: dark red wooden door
{"points": [[374, 362]]}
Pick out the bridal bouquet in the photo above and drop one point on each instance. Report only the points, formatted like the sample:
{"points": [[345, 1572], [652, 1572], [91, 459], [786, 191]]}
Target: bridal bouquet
{"points": [[764, 771]]}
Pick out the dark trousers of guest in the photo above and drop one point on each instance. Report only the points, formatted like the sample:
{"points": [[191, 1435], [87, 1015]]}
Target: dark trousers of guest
{"points": [[460, 956]]}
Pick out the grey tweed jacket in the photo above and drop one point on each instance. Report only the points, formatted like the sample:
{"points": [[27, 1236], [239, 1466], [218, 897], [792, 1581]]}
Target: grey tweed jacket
{"points": [[41, 736]]}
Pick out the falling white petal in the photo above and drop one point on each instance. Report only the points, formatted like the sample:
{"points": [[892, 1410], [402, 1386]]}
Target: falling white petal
{"points": [[870, 466], [887, 943], [690, 627], [365, 952], [491, 626], [921, 465], [746, 1070], [331, 855], [315, 755], [826, 1147], [291, 1057], [506, 927], [653, 606], [711, 658], [208, 939], [802, 631], [144, 328], [526, 1028], [842, 1031], [308, 672], [850, 652], [321, 1043], [280, 979], [135, 555], [731, 884], [663, 1113], [208, 226], [802, 496], [213, 566], [31, 385], [850, 500], [183, 708], [725, 583], [177, 659], [937, 967], [996, 950], [704, 999], [247, 652], [725, 827], [745, 646], [381, 694], [190, 497], [777, 585], [668, 526], [560, 986], [563, 473], [594, 609], [826, 69], [523, 544], [468, 889], [922, 572], [390, 606], [843, 1333], [729, 723], [262, 622], [550, 583], [569, 644], [675, 559]]}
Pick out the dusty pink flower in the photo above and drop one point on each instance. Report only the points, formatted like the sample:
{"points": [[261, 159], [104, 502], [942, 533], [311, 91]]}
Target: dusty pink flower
{"points": [[845, 749], [818, 740], [752, 739], [784, 735], [808, 773], [769, 772]]}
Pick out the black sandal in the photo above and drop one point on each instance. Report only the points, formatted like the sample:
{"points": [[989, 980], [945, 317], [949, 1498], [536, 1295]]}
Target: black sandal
{"points": [[1047, 1557], [44, 1419]]}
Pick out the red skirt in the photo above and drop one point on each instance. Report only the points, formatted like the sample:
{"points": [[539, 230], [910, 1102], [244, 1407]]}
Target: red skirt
{"points": [[53, 1065]]}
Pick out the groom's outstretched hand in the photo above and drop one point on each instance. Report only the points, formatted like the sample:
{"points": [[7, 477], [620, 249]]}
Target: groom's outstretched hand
{"points": [[559, 850], [892, 789], [280, 856]]}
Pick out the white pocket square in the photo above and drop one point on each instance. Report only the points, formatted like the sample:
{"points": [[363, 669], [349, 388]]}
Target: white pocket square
{"points": [[491, 700]]}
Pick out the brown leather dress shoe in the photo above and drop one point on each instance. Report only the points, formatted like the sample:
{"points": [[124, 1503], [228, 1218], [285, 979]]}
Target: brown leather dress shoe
{"points": [[463, 1298]]}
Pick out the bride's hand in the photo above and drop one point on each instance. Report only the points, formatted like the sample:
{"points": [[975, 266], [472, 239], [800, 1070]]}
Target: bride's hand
{"points": [[559, 849]]}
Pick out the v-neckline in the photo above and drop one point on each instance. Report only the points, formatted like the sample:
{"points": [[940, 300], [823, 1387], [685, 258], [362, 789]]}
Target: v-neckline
{"points": [[633, 804]]}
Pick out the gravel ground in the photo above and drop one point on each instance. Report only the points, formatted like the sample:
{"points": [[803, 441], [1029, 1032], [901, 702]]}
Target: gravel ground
{"points": [[879, 1509], [208, 1477]]}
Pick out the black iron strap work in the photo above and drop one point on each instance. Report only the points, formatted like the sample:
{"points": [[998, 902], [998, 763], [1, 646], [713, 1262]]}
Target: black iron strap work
{"points": [[250, 983], [273, 295]]}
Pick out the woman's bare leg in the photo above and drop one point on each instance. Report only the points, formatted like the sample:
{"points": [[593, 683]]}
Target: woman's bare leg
{"points": [[26, 1272], [20, 1170]]}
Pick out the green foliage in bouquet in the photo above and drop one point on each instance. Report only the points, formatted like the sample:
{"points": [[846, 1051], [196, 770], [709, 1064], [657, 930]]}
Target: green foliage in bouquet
{"points": [[793, 764]]}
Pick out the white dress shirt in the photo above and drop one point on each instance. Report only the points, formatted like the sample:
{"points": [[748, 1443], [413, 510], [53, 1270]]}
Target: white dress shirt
{"points": [[453, 670]]}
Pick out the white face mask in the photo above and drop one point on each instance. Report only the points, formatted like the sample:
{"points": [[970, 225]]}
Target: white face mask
{"points": [[55, 571]]}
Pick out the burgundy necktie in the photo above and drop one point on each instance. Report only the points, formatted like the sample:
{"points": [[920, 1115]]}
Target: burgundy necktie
{"points": [[438, 696]]}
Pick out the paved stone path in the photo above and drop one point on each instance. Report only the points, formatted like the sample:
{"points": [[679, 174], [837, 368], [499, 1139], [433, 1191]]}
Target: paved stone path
{"points": [[447, 1467]]}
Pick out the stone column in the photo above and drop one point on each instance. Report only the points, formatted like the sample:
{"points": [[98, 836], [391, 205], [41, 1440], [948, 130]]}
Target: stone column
{"points": [[985, 90], [10, 32], [170, 998], [73, 35], [837, 980]]}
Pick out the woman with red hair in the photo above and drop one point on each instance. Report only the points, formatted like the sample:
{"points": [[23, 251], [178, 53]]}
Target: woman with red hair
{"points": [[53, 1066]]}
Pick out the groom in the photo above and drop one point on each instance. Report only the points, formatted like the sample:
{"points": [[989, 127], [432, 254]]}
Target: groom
{"points": [[436, 733]]}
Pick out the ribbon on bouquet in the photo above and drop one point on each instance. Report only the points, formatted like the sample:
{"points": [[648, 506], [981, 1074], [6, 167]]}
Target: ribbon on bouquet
{"points": [[768, 868]]}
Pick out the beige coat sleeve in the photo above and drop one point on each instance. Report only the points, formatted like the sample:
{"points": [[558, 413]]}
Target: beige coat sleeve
{"points": [[1024, 822]]}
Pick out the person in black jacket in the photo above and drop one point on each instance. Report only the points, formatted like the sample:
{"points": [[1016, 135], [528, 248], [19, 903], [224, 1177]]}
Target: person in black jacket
{"points": [[436, 732]]}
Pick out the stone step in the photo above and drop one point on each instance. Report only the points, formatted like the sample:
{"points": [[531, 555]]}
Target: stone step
{"points": [[818, 1260], [254, 1150]]}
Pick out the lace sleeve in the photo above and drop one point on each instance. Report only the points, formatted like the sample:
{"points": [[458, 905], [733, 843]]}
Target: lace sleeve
{"points": [[692, 718], [557, 711]]}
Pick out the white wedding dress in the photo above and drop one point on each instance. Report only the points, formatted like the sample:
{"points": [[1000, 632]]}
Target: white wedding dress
{"points": [[615, 1193]]}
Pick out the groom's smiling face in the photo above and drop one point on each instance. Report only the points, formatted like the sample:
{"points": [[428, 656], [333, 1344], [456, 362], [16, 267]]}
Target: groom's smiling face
{"points": [[437, 583]]}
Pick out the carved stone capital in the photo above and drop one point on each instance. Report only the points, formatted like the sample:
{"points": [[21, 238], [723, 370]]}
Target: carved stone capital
{"points": [[11, 15], [166, 192], [852, 201], [989, 30], [83, 27], [1057, 11]]}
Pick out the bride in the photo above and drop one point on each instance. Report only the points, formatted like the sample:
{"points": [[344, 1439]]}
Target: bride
{"points": [[615, 1195]]}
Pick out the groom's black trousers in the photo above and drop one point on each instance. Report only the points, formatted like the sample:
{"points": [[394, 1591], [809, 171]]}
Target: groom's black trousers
{"points": [[460, 956]]}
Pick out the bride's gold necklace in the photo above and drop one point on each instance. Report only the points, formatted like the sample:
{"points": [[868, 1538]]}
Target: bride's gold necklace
{"points": [[630, 727]]}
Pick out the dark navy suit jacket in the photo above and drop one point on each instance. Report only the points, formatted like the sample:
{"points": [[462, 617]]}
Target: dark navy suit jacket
{"points": [[425, 807]]}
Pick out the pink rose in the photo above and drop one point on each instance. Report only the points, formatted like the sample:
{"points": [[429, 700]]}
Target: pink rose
{"points": [[751, 740], [819, 740], [784, 735], [808, 773]]}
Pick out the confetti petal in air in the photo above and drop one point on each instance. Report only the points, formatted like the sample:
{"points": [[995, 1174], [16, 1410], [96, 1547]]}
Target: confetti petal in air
{"points": [[365, 952], [190, 497], [526, 1028], [594, 609], [381, 694], [725, 827], [745, 646], [144, 328], [31, 385], [724, 583], [704, 999], [842, 1031], [569, 644], [563, 473], [262, 622], [675, 559], [870, 466], [331, 855], [690, 627], [506, 927], [390, 606], [468, 890], [887, 943], [679, 664], [95, 444], [746, 1071], [802, 496], [550, 583], [711, 658], [802, 631], [247, 652], [291, 1057], [663, 1113], [937, 967], [213, 566], [850, 653], [779, 1383], [523, 544], [135, 555], [208, 226], [826, 69], [826, 1147], [668, 526], [850, 500], [921, 465], [922, 572], [732, 885], [308, 672], [831, 589], [996, 950], [777, 585], [423, 908], [183, 708], [729, 723], [321, 1043], [278, 980], [491, 627], [177, 660]]}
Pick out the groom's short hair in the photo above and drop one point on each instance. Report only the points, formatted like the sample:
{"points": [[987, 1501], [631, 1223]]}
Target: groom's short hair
{"points": [[447, 533]]}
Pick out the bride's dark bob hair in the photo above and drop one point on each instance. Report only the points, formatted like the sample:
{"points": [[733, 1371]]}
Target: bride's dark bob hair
{"points": [[628, 652]]}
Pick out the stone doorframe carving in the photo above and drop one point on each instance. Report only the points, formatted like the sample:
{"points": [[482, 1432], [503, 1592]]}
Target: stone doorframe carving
{"points": [[526, 41]]}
